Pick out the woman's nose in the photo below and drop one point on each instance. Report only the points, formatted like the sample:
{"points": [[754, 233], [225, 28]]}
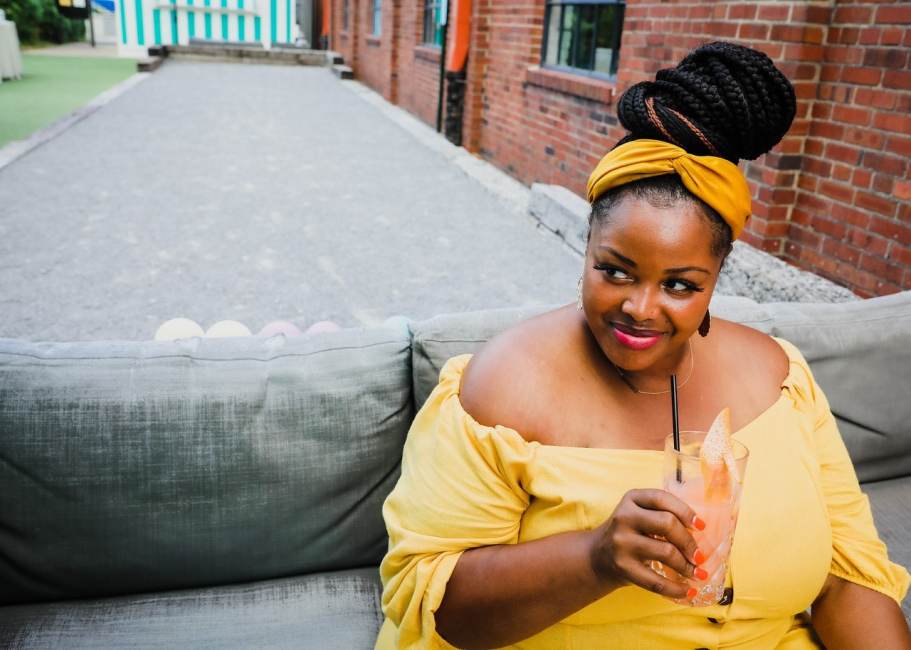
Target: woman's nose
{"points": [[641, 305]]}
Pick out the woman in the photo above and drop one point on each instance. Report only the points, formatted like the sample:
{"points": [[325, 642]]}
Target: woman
{"points": [[528, 511]]}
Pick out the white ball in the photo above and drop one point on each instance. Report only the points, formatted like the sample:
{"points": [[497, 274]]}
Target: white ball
{"points": [[178, 328], [227, 328]]}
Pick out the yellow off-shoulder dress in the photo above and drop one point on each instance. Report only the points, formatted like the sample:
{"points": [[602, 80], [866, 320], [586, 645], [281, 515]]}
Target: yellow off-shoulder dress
{"points": [[802, 517]]}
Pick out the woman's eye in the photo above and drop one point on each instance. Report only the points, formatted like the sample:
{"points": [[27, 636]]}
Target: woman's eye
{"points": [[679, 286], [613, 273]]}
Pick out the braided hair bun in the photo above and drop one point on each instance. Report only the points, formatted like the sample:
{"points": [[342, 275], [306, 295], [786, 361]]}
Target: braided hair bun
{"points": [[723, 100]]}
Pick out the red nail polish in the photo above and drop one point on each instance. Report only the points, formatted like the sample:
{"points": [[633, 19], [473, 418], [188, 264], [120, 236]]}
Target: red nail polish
{"points": [[691, 593], [698, 524], [700, 573], [698, 557]]}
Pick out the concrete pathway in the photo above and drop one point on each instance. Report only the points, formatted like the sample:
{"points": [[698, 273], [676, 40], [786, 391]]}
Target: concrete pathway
{"points": [[255, 193]]}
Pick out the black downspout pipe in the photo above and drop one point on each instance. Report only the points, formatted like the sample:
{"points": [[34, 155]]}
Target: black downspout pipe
{"points": [[442, 88], [91, 22]]}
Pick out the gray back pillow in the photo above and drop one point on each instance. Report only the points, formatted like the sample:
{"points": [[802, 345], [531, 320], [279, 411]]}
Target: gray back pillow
{"points": [[140, 466], [860, 354]]}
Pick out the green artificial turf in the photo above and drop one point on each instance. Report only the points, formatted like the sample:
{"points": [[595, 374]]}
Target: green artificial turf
{"points": [[52, 87]]}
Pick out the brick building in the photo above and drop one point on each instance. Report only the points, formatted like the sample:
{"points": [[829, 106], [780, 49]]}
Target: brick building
{"points": [[541, 77]]}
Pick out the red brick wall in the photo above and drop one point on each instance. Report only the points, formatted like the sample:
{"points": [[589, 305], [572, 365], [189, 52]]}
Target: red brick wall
{"points": [[537, 125], [852, 218], [832, 197], [397, 64], [375, 60], [419, 66], [344, 41]]}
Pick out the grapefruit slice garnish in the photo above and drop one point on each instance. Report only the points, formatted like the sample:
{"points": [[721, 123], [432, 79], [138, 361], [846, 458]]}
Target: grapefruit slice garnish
{"points": [[719, 470]]}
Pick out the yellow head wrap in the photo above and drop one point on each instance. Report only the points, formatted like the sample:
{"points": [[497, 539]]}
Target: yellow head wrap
{"points": [[715, 180]]}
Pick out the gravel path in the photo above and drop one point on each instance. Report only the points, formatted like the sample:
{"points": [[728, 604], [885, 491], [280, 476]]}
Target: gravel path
{"points": [[219, 191]]}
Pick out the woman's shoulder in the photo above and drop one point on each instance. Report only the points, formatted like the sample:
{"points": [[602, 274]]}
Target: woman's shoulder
{"points": [[751, 358], [759, 346], [506, 381]]}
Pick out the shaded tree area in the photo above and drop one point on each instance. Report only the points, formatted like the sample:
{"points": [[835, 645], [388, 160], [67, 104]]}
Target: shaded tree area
{"points": [[39, 21]]}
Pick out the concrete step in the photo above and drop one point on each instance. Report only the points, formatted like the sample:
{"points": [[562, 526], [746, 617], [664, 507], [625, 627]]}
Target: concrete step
{"points": [[343, 71], [149, 64], [335, 58], [247, 52]]}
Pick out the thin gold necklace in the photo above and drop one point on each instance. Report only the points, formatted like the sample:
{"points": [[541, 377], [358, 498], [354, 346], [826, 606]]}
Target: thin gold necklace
{"points": [[632, 387]]}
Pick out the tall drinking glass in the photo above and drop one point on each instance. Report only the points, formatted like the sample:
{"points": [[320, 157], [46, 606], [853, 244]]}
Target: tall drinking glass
{"points": [[715, 497]]}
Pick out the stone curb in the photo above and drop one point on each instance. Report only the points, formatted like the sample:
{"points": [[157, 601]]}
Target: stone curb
{"points": [[18, 148], [747, 272], [342, 71]]}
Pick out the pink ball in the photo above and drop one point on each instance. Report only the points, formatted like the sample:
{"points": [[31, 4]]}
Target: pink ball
{"points": [[279, 327], [323, 326]]}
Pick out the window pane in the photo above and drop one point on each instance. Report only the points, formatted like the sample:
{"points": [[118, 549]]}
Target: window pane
{"points": [[429, 27], [566, 29], [583, 34], [584, 54], [553, 35], [608, 42]]}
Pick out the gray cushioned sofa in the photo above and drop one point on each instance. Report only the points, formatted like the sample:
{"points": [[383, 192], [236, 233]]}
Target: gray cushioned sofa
{"points": [[226, 493]]}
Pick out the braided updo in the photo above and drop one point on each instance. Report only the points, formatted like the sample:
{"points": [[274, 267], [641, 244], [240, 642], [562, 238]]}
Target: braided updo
{"points": [[722, 100]]}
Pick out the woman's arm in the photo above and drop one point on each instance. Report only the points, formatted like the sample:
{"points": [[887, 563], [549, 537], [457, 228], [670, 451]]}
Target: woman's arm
{"points": [[498, 595], [851, 617]]}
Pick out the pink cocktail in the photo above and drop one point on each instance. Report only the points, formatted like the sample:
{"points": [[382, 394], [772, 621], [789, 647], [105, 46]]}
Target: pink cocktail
{"points": [[713, 492]]}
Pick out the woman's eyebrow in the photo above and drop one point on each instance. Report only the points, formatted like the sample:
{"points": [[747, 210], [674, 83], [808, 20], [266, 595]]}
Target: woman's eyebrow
{"points": [[631, 263], [620, 257], [684, 269]]}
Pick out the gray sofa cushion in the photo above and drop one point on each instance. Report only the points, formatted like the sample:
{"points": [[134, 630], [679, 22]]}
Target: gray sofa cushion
{"points": [[442, 337], [138, 466], [891, 503], [335, 611], [860, 353]]}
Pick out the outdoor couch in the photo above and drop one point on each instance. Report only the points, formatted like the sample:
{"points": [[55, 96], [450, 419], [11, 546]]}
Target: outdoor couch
{"points": [[227, 493]]}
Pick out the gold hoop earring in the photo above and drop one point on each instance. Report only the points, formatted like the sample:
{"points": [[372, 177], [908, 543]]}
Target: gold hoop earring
{"points": [[705, 325], [579, 294]]}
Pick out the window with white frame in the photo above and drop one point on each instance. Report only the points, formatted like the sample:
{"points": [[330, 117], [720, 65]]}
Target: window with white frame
{"points": [[345, 11], [583, 36], [434, 17]]}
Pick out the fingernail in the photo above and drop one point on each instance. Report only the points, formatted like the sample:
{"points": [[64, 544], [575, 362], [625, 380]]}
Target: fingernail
{"points": [[698, 524], [690, 593], [700, 573], [698, 557]]}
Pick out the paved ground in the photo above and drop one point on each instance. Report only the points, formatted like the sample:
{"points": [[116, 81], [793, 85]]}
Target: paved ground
{"points": [[255, 193]]}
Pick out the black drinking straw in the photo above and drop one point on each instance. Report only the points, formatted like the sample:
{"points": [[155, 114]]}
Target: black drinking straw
{"points": [[676, 423]]}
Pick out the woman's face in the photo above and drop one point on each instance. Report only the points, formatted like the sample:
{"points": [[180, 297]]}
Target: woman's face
{"points": [[649, 275]]}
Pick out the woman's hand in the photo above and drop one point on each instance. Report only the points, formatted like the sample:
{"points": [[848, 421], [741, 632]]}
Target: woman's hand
{"points": [[648, 525]]}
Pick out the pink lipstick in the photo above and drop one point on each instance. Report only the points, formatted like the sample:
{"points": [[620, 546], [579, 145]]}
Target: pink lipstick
{"points": [[633, 338]]}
